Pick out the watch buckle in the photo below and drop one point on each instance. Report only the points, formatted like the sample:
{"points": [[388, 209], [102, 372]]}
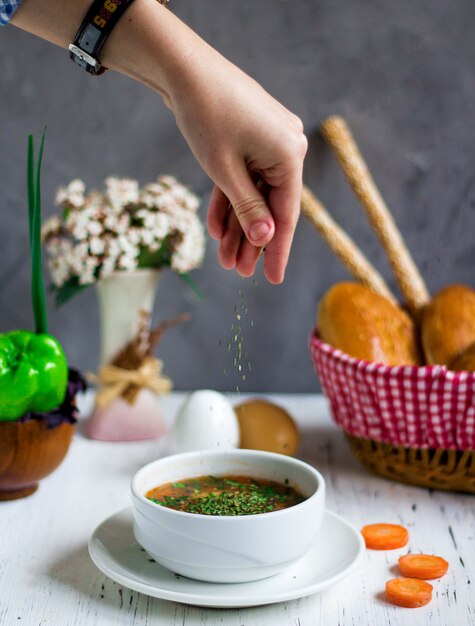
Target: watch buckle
{"points": [[82, 55]]}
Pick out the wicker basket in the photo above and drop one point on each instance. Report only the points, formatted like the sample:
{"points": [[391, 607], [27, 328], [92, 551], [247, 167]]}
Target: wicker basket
{"points": [[411, 424]]}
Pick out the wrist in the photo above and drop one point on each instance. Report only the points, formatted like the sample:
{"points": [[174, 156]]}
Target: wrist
{"points": [[152, 46], [148, 43]]}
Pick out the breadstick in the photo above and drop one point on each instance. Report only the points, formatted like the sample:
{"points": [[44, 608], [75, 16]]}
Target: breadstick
{"points": [[344, 247], [409, 280]]}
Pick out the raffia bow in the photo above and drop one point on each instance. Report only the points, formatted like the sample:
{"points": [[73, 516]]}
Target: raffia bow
{"points": [[118, 382]]}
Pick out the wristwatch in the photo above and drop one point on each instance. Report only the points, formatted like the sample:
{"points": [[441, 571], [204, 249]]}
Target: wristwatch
{"points": [[96, 26]]}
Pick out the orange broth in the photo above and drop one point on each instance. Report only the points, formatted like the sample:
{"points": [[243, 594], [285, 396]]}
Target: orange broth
{"points": [[225, 495]]}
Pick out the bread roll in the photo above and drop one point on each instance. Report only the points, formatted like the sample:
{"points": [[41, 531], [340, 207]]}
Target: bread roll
{"points": [[448, 324], [360, 322], [465, 362]]}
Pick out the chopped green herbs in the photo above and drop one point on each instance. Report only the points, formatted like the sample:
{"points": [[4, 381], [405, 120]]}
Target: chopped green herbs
{"points": [[226, 496], [236, 344]]}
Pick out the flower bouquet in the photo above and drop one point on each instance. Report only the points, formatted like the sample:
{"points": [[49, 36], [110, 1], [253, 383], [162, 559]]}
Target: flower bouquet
{"points": [[122, 229], [120, 239]]}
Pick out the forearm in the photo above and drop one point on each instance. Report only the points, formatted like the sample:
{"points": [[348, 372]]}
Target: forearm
{"points": [[232, 125], [148, 43]]}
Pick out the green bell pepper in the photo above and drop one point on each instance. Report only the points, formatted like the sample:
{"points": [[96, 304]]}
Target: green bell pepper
{"points": [[33, 374]]}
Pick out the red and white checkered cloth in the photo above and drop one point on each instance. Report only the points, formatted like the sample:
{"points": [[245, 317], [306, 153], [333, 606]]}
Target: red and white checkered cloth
{"points": [[416, 407]]}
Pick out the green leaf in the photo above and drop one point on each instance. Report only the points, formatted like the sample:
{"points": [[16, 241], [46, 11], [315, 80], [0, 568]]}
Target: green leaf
{"points": [[188, 280], [68, 290], [31, 183], [156, 259], [34, 211]]}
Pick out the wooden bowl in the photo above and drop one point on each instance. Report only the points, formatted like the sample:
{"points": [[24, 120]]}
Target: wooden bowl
{"points": [[29, 451]]}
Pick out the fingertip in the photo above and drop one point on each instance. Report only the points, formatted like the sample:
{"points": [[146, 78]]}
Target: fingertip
{"points": [[215, 230], [245, 273], [227, 263], [273, 273], [214, 235], [275, 280], [260, 234]]}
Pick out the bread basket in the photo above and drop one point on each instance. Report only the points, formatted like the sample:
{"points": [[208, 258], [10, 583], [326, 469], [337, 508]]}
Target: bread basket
{"points": [[412, 424]]}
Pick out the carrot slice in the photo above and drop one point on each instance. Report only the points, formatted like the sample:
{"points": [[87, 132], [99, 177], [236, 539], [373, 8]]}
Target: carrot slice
{"points": [[385, 536], [422, 566], [408, 592]]}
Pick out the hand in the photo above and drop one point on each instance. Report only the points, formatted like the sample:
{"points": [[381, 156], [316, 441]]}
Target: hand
{"points": [[237, 130]]}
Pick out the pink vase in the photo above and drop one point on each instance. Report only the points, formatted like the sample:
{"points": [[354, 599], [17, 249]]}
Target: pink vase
{"points": [[121, 421], [121, 298]]}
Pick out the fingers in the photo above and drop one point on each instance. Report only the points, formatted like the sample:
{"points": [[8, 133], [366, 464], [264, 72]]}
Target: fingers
{"points": [[235, 252], [255, 221], [284, 202], [217, 213], [230, 242], [249, 207], [248, 256]]}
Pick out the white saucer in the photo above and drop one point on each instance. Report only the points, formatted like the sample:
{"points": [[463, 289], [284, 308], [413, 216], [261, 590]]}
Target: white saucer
{"points": [[114, 550]]}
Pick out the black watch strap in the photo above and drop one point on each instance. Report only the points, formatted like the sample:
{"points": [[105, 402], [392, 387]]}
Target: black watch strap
{"points": [[96, 26]]}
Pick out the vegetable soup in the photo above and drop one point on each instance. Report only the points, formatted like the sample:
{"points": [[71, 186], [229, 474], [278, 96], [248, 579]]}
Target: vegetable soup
{"points": [[225, 495]]}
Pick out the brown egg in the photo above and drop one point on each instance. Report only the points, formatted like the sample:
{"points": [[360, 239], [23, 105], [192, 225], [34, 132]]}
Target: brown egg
{"points": [[266, 426]]}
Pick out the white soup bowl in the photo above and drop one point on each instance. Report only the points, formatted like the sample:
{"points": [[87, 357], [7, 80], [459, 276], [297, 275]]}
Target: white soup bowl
{"points": [[228, 549]]}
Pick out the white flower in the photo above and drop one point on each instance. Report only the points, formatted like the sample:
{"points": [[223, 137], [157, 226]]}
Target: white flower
{"points": [[87, 274], [108, 267], [72, 195], [77, 186], [152, 189], [51, 227], [134, 236], [111, 221], [147, 237], [190, 251], [59, 271], [192, 202], [127, 262], [121, 192], [165, 201], [78, 257], [167, 181], [93, 202], [147, 217], [94, 228], [97, 245], [127, 246], [102, 232], [80, 222], [123, 224], [161, 226], [112, 247]]}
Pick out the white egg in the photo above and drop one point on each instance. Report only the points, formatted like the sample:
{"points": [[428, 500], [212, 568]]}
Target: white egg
{"points": [[205, 421]]}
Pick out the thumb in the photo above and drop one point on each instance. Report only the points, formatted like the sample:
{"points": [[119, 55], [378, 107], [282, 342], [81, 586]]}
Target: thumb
{"points": [[250, 207]]}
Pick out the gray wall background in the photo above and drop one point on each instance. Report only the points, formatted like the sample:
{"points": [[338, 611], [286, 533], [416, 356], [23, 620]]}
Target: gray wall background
{"points": [[401, 72]]}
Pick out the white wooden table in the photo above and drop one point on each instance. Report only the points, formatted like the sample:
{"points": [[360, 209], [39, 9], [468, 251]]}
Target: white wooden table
{"points": [[47, 577]]}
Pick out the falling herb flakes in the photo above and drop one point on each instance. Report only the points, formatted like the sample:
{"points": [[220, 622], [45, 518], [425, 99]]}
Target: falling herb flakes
{"points": [[236, 344]]}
